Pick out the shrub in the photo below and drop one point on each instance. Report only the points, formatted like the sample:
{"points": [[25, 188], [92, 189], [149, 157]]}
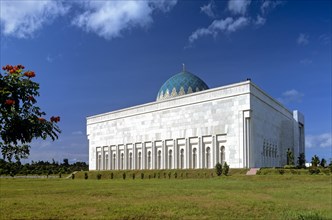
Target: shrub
{"points": [[175, 175], [98, 176], [169, 175], [149, 176], [124, 176], [73, 176], [154, 175], [281, 171], [142, 175], [86, 175], [164, 175], [112, 175], [314, 170], [289, 167], [133, 176], [218, 169], [158, 175], [60, 175], [225, 170]]}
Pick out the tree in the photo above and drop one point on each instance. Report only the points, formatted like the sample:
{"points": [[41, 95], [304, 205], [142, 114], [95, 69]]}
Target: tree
{"points": [[290, 157], [323, 163], [301, 161], [315, 160], [218, 169], [21, 120], [225, 169]]}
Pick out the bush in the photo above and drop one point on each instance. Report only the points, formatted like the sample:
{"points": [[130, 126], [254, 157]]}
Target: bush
{"points": [[149, 176], [175, 175], [98, 176], [124, 176], [86, 175], [142, 175], [169, 175], [154, 175], [218, 169], [289, 167], [133, 176], [281, 171], [112, 175], [158, 175], [225, 170], [60, 175], [314, 170], [73, 176]]}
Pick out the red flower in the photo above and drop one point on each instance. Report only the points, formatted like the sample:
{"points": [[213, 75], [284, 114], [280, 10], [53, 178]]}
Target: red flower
{"points": [[30, 74], [55, 119], [41, 119], [10, 102], [31, 98]]}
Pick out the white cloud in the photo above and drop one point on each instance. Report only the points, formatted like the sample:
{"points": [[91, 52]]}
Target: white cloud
{"points": [[321, 140], [238, 6], [291, 96], [303, 39], [22, 19], [269, 5], [325, 39], [227, 25], [259, 20], [109, 19], [208, 9]]}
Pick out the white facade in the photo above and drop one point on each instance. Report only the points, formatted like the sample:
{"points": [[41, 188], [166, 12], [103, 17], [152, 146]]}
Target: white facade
{"points": [[238, 124]]}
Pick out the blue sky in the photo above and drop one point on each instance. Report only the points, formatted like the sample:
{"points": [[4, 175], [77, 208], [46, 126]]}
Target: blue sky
{"points": [[92, 57]]}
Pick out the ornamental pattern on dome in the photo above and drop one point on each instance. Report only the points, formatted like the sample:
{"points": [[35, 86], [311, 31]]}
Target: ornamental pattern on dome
{"points": [[181, 84]]}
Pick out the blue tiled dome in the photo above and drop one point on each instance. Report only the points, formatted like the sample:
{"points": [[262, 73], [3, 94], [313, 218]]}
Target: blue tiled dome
{"points": [[181, 84]]}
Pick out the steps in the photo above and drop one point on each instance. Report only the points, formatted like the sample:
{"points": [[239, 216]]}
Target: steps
{"points": [[252, 171]]}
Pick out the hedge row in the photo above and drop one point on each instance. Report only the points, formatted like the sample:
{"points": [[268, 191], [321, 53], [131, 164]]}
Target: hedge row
{"points": [[154, 174], [283, 171]]}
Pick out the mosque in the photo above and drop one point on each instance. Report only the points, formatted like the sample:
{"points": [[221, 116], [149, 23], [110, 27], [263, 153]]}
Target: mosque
{"points": [[191, 126]]}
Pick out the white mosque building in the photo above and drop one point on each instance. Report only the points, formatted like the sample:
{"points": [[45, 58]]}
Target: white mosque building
{"points": [[190, 126]]}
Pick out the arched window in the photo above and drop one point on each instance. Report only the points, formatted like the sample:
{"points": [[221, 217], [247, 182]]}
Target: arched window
{"points": [[139, 160], [159, 160], [222, 154], [106, 162], [194, 158], [170, 159], [121, 161], [130, 160], [149, 160], [99, 162], [114, 161], [208, 157], [182, 159]]}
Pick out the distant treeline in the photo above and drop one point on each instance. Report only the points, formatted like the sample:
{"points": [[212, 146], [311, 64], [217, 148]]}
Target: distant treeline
{"points": [[41, 168]]}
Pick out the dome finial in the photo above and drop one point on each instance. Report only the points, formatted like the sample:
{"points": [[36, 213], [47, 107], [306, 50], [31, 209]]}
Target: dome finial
{"points": [[183, 67]]}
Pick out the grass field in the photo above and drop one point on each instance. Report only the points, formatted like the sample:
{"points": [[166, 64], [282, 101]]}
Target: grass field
{"points": [[233, 197]]}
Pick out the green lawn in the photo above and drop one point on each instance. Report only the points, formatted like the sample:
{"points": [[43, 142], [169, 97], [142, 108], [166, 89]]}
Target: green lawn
{"points": [[233, 197]]}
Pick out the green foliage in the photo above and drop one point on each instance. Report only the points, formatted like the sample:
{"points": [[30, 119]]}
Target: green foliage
{"points": [[142, 175], [225, 169], [301, 161], [98, 176], [281, 171], [40, 168], [314, 170], [86, 175], [323, 163], [315, 161], [175, 175], [290, 157], [112, 175], [218, 168], [133, 176], [124, 176], [290, 167], [73, 176], [21, 120]]}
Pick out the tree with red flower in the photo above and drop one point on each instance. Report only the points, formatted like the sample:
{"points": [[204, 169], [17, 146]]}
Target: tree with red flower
{"points": [[20, 119]]}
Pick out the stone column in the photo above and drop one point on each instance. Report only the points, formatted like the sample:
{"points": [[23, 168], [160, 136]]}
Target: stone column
{"points": [[125, 159], [102, 159], [175, 155], [109, 157], [143, 156], [214, 152], [163, 156], [187, 154], [153, 155], [117, 157], [134, 157]]}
